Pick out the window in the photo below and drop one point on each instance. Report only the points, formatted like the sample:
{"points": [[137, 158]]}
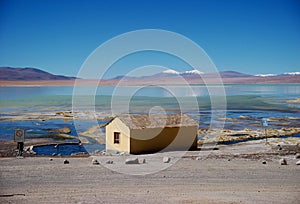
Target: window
{"points": [[116, 137]]}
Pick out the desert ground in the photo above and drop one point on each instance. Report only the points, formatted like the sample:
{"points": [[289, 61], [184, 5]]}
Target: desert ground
{"points": [[247, 172]]}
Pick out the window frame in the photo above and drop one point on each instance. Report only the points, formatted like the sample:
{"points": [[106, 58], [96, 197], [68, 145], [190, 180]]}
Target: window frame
{"points": [[117, 137]]}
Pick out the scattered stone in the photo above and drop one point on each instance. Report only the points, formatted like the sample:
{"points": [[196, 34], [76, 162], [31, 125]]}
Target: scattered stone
{"points": [[109, 162], [297, 156], [95, 162], [66, 161], [298, 162], [132, 161], [282, 162], [264, 162], [166, 159]]}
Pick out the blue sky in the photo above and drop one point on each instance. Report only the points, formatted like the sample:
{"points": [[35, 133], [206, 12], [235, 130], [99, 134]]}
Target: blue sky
{"points": [[241, 35]]}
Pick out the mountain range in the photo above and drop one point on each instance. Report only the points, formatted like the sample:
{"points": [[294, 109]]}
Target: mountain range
{"points": [[34, 75], [196, 77], [28, 74]]}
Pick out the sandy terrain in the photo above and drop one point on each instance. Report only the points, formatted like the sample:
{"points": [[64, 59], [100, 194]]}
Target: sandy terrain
{"points": [[232, 174]]}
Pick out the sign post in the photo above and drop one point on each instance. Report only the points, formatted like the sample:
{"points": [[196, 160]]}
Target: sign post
{"points": [[265, 124], [19, 137]]}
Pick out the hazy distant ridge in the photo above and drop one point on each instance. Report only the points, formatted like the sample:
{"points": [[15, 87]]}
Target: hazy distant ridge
{"points": [[28, 74], [165, 77]]}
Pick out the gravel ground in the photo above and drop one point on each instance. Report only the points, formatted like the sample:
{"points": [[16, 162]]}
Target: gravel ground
{"points": [[196, 178]]}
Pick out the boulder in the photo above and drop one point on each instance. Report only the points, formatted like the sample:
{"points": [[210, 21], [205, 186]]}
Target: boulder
{"points": [[283, 162], [132, 161], [297, 156], [298, 162], [66, 161], [109, 162], [166, 159], [95, 162]]}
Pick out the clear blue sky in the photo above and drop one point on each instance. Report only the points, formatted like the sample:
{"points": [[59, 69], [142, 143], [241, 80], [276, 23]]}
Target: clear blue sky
{"points": [[242, 35]]}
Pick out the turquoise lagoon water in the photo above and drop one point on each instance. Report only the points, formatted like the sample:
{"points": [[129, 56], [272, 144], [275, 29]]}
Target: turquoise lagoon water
{"points": [[253, 97], [252, 102]]}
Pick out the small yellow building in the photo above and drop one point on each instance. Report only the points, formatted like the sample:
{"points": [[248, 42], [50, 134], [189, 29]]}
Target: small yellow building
{"points": [[142, 133]]}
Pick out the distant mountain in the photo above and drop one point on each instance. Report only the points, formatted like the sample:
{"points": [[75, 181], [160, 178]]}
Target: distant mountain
{"points": [[168, 77], [187, 74], [28, 74], [196, 77], [284, 74], [291, 74]]}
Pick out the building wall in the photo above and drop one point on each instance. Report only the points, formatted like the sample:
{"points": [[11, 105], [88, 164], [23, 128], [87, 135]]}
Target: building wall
{"points": [[167, 139], [117, 126]]}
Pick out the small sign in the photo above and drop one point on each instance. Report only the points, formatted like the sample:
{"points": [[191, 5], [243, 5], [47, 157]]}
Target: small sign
{"points": [[19, 135], [264, 122]]}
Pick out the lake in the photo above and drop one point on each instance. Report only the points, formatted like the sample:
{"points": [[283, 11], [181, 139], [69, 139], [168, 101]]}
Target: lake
{"points": [[250, 102]]}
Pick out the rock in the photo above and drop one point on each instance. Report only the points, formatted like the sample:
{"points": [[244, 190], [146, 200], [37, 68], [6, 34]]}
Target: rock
{"points": [[166, 159], [298, 162], [50, 159], [297, 156], [54, 154], [143, 161], [198, 158], [264, 162], [64, 114], [132, 161], [283, 162], [95, 162], [109, 162], [65, 130], [66, 161]]}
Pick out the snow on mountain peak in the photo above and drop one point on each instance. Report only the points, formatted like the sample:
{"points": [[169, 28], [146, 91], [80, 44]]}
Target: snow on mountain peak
{"points": [[265, 75], [193, 72], [292, 73], [170, 71], [189, 72]]}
